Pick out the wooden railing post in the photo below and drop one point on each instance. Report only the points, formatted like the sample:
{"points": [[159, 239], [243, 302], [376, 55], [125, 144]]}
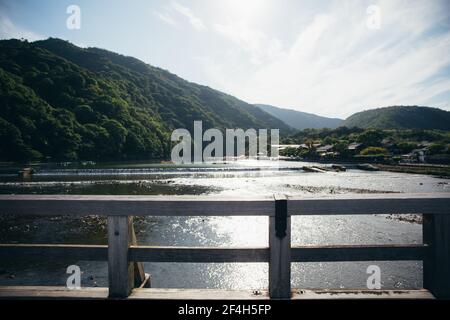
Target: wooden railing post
{"points": [[436, 265], [280, 251], [120, 270]]}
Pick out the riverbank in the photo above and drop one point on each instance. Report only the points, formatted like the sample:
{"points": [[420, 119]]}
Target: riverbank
{"points": [[416, 168], [435, 170]]}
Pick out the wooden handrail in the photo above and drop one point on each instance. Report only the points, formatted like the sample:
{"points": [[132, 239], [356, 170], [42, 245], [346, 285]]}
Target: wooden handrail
{"points": [[308, 253], [434, 203], [123, 252]]}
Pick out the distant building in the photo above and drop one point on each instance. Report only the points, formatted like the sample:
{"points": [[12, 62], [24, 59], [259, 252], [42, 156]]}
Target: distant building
{"points": [[417, 155], [354, 146], [285, 146], [387, 142], [303, 146], [326, 148], [330, 154]]}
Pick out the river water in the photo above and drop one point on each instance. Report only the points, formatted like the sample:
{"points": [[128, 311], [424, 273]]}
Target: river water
{"points": [[242, 178]]}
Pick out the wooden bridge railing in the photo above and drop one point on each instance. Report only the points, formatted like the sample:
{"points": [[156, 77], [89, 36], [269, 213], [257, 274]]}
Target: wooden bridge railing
{"points": [[123, 253]]}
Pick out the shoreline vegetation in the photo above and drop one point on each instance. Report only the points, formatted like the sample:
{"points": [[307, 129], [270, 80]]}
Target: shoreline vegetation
{"points": [[397, 150], [442, 171], [324, 165]]}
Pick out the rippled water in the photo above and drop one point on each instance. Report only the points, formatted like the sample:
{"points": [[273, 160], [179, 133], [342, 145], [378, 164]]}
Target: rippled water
{"points": [[244, 178]]}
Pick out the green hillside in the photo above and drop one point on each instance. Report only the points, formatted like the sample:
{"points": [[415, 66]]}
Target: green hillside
{"points": [[301, 120], [62, 102], [401, 117]]}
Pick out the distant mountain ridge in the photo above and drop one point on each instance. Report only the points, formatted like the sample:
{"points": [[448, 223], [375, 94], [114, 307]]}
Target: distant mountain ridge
{"points": [[400, 117], [301, 120], [394, 117]]}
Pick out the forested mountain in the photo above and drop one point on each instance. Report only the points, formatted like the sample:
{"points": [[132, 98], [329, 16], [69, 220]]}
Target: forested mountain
{"points": [[400, 117], [62, 102], [301, 120]]}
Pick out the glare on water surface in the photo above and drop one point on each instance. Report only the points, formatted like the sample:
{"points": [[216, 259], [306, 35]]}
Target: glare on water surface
{"points": [[249, 178]]}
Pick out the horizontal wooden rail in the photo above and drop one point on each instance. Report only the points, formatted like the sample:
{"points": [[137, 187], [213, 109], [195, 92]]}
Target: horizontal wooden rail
{"points": [[198, 254], [436, 203], [398, 203], [219, 254], [79, 252], [359, 253], [132, 206]]}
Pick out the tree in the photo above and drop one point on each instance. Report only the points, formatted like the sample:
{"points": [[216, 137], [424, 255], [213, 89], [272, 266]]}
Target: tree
{"points": [[12, 147], [436, 148], [85, 114], [373, 151], [371, 137], [405, 147]]}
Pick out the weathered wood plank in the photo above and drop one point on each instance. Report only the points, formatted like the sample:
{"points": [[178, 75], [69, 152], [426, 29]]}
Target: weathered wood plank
{"points": [[436, 267], [219, 254], [47, 292], [120, 270], [429, 260], [147, 283], [357, 294], [280, 251], [50, 251], [396, 203], [198, 254], [132, 205], [198, 294], [52, 292], [140, 278], [358, 253], [437, 203]]}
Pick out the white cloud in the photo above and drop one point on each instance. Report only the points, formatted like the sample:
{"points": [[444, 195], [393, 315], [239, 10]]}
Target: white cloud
{"points": [[165, 17], [253, 42], [195, 21], [337, 66], [9, 30], [170, 13]]}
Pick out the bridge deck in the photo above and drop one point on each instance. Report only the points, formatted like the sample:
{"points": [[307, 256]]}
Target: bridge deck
{"points": [[49, 292]]}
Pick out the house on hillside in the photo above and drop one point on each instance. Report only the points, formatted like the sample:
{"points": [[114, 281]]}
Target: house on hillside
{"points": [[415, 156], [303, 146], [326, 151], [326, 148], [387, 143], [354, 147]]}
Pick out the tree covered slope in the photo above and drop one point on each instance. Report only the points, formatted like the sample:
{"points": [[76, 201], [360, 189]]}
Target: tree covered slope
{"points": [[62, 102], [401, 117]]}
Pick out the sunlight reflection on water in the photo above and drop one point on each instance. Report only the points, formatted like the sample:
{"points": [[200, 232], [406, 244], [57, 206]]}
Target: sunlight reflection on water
{"points": [[307, 230], [231, 231]]}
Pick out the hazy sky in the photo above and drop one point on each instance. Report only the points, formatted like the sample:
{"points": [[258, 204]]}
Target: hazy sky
{"points": [[331, 58]]}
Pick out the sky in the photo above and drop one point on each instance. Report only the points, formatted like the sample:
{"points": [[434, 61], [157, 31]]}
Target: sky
{"points": [[331, 58]]}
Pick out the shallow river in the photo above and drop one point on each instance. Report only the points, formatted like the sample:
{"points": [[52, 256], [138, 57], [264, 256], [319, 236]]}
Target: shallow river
{"points": [[244, 178]]}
